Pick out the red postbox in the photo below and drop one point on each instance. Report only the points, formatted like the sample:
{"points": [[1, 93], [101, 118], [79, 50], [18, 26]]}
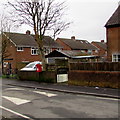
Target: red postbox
{"points": [[39, 68]]}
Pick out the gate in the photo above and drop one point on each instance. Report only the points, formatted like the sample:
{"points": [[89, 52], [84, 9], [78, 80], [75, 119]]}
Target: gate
{"points": [[62, 75]]}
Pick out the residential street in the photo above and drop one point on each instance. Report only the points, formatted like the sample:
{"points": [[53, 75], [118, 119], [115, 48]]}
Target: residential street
{"points": [[31, 103]]}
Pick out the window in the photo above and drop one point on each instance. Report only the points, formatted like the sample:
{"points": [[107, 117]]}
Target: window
{"points": [[82, 51], [34, 51], [87, 42], [59, 49], [115, 58], [96, 51], [89, 51], [5, 64], [19, 48], [47, 50]]}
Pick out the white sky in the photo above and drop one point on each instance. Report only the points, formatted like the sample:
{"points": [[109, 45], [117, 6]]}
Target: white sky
{"points": [[88, 17]]}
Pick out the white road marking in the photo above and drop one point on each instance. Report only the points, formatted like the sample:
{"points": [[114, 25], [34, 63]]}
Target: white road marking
{"points": [[115, 99], [16, 113], [14, 89], [45, 93], [17, 101]]}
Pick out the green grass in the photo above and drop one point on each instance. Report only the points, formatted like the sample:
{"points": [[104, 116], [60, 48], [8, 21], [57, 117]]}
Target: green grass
{"points": [[9, 76]]}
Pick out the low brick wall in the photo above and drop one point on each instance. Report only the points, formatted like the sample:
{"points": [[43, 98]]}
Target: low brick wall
{"points": [[94, 78], [47, 76]]}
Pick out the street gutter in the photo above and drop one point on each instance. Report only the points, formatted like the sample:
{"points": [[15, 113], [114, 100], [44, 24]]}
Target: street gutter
{"points": [[68, 91]]}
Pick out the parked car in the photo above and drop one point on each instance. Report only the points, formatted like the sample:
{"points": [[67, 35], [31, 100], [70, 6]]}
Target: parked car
{"points": [[31, 66]]}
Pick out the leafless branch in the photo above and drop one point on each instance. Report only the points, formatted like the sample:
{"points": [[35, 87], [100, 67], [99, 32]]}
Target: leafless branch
{"points": [[42, 15]]}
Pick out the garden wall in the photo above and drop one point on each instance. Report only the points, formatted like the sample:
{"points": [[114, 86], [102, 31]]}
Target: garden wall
{"points": [[94, 78], [95, 66], [45, 76]]}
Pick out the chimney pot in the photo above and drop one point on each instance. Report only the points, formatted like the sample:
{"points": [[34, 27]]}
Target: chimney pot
{"points": [[73, 37], [27, 32], [102, 40]]}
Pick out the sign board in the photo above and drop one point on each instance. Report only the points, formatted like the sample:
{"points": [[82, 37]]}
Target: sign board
{"points": [[62, 75], [62, 78]]}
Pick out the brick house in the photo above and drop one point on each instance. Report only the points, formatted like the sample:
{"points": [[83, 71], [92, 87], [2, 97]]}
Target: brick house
{"points": [[102, 48], [79, 45], [22, 49], [113, 36]]}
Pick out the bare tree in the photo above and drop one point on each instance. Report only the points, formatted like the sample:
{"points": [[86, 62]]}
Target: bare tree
{"points": [[42, 16], [4, 27]]}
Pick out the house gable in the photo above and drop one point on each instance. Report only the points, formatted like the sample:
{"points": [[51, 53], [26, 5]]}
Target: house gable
{"points": [[113, 36], [114, 20]]}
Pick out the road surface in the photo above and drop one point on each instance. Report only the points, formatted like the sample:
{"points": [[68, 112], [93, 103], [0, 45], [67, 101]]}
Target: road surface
{"points": [[29, 104]]}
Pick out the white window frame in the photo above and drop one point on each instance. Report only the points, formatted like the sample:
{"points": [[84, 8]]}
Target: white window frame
{"points": [[115, 58], [96, 51], [20, 49], [82, 51], [90, 51], [59, 49], [33, 49]]}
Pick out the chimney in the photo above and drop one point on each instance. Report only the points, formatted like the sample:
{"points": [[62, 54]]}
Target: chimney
{"points": [[102, 41], [27, 32], [73, 38]]}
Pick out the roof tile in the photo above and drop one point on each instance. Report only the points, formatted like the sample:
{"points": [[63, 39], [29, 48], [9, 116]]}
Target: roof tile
{"points": [[78, 44], [114, 19]]}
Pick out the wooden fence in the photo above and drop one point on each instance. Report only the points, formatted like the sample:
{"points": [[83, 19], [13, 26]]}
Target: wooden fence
{"points": [[96, 66]]}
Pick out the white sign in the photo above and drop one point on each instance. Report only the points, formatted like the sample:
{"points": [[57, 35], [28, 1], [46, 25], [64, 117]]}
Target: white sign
{"points": [[5, 64], [62, 78]]}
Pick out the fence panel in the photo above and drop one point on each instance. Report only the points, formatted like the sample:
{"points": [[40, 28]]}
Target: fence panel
{"points": [[97, 66]]}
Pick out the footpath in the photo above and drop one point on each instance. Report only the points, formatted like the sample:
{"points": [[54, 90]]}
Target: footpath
{"points": [[62, 87]]}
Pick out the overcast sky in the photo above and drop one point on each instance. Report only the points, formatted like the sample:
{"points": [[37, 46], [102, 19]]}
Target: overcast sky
{"points": [[88, 17]]}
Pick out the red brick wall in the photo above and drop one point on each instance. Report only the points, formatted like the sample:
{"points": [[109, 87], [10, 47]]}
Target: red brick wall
{"points": [[11, 54], [101, 51], [65, 47], [26, 55], [113, 41]]}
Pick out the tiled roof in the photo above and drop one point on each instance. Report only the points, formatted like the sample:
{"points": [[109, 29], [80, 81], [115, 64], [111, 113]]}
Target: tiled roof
{"points": [[114, 19], [21, 39], [78, 44], [69, 54], [49, 42], [102, 45], [25, 40]]}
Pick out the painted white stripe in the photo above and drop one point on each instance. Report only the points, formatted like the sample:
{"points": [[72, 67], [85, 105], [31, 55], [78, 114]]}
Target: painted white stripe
{"points": [[17, 101], [14, 89], [16, 113], [45, 93], [115, 99]]}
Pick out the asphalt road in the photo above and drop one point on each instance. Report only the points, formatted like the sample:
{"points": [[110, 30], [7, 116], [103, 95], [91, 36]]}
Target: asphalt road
{"points": [[29, 104]]}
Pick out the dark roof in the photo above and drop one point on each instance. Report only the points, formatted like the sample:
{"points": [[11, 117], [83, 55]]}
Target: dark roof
{"points": [[69, 54], [114, 19], [25, 40], [102, 45], [64, 53], [21, 39], [78, 44], [49, 42]]}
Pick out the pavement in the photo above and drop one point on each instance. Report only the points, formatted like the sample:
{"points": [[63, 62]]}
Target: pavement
{"points": [[62, 87]]}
